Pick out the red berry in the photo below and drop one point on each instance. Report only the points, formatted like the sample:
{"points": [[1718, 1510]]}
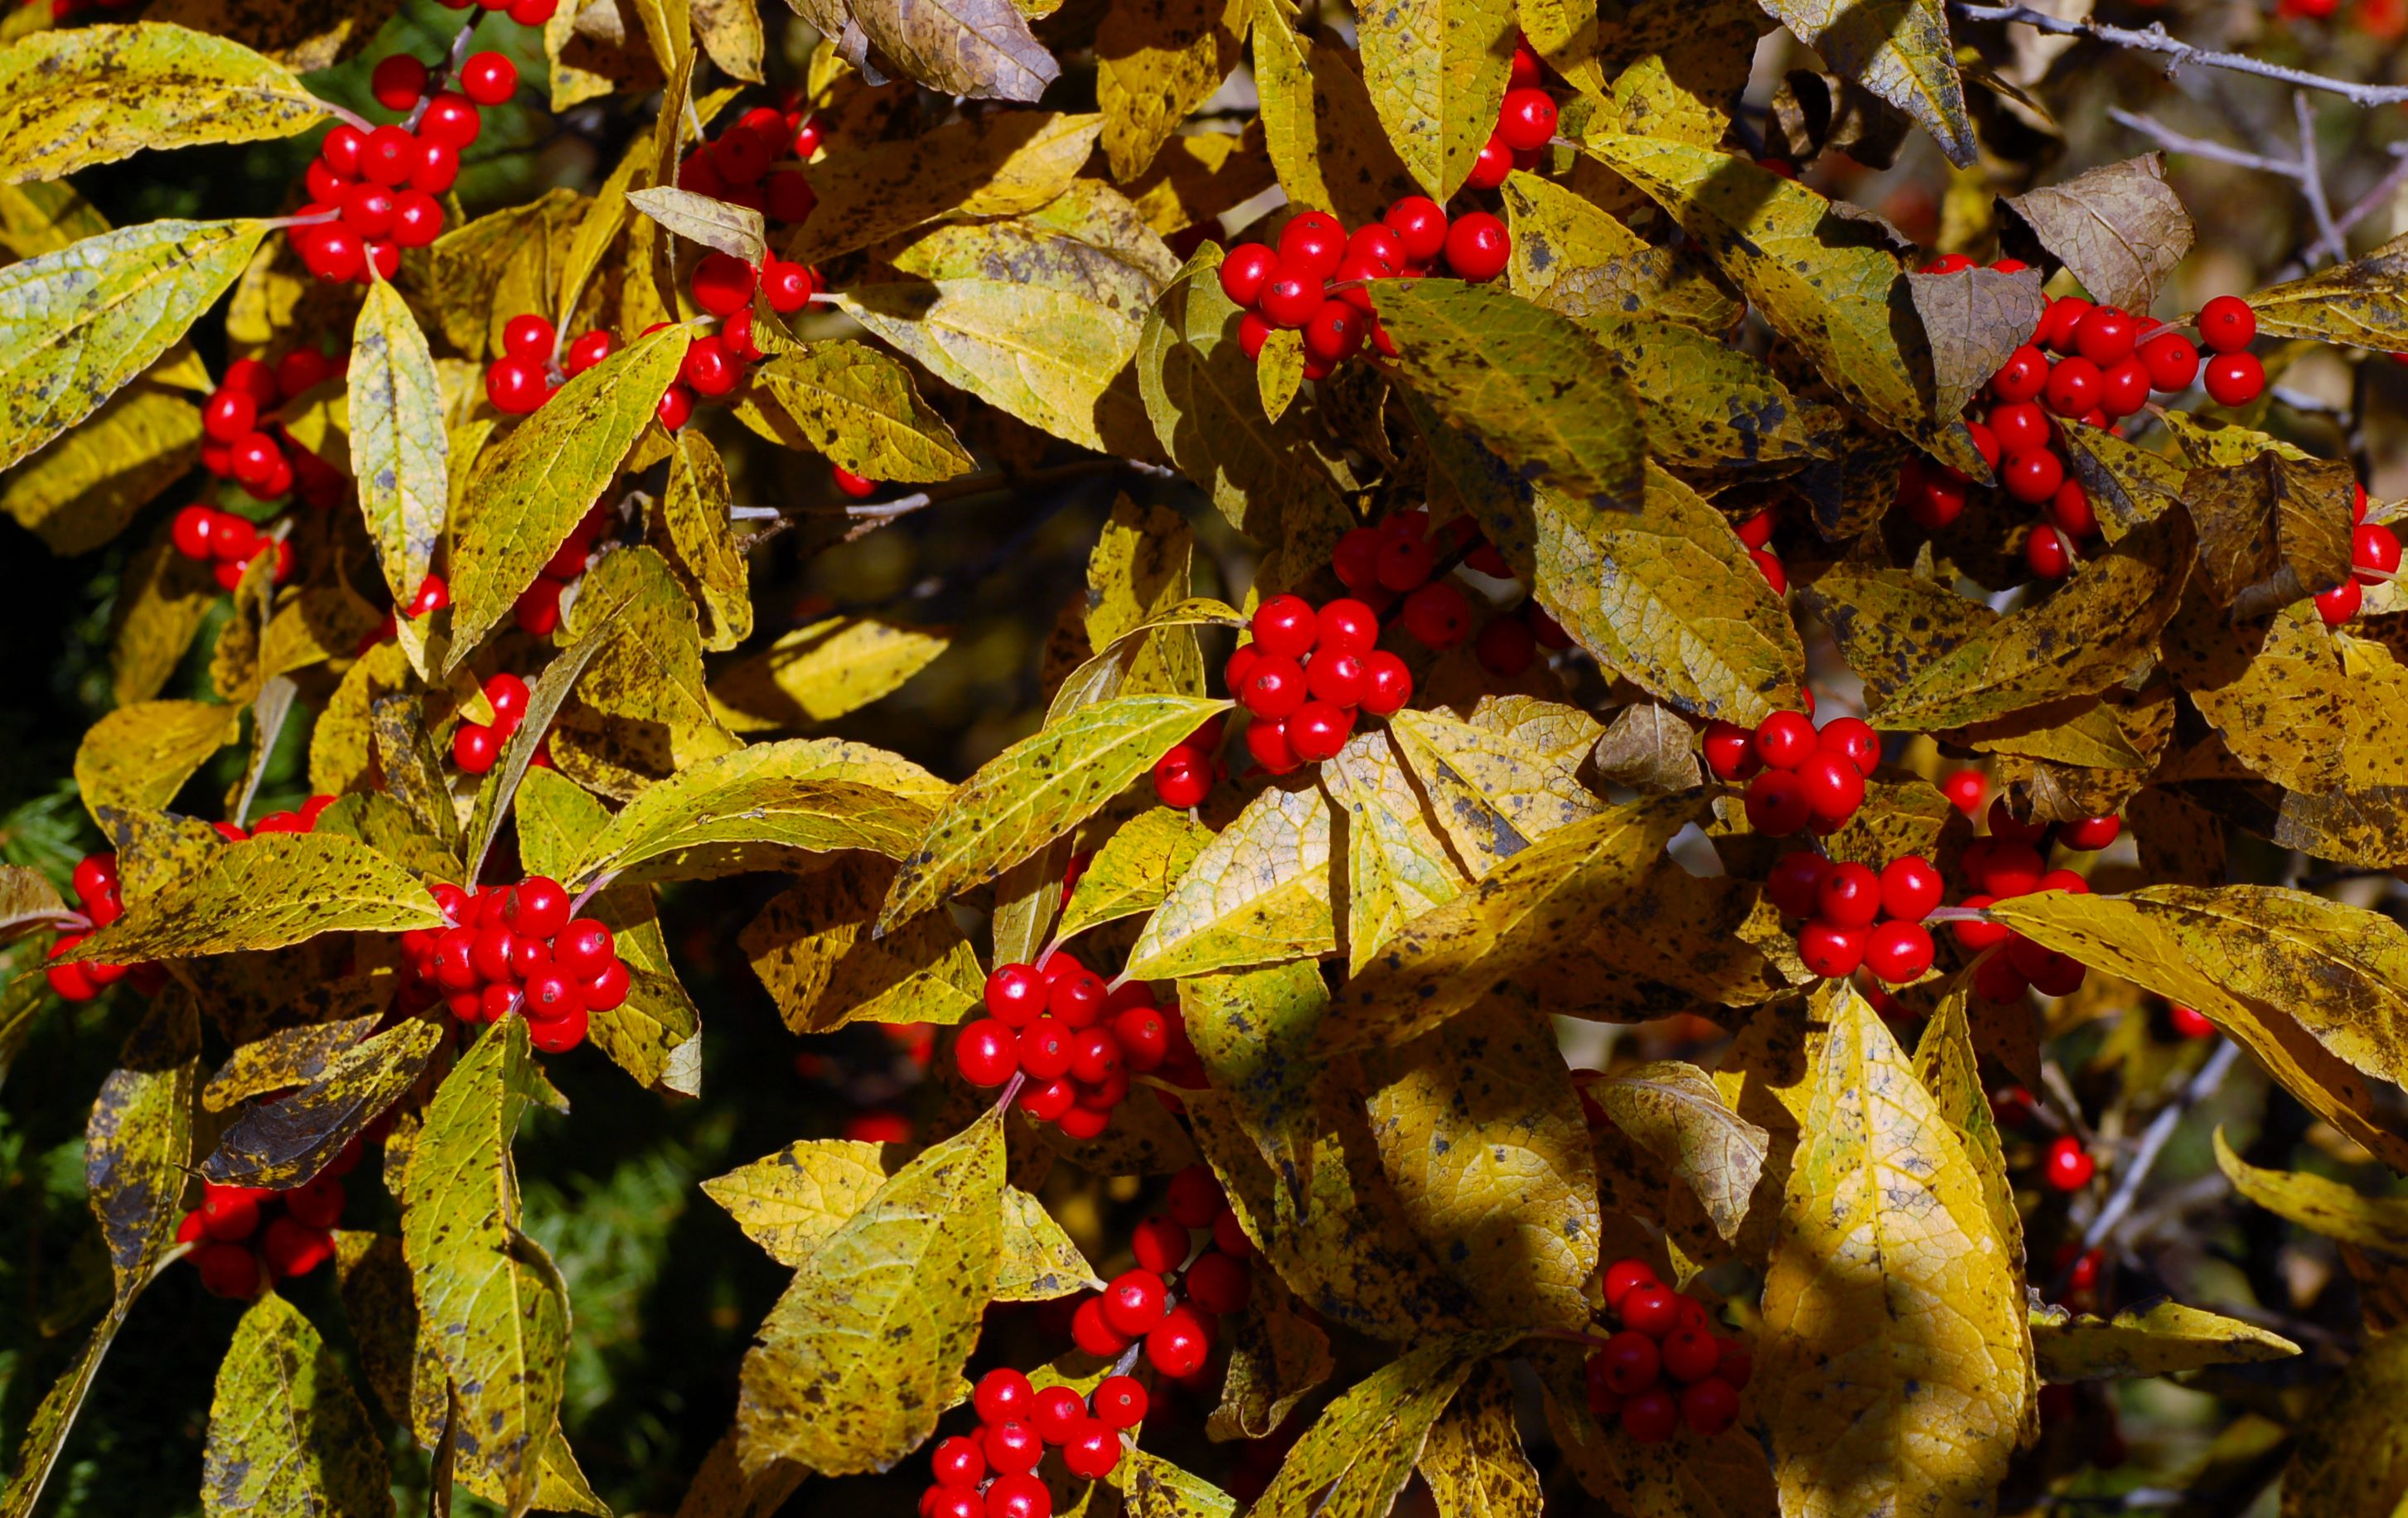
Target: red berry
{"points": [[1121, 1402], [293, 1250], [1092, 1451], [2020, 428], [1653, 1310], [398, 80], [582, 947], [517, 386], [1785, 740], [1910, 889], [1058, 1414], [1848, 896], [1420, 225], [489, 78], [1076, 999], [2022, 376], [1794, 881], [2047, 553], [2105, 335], [436, 168], [1630, 1361], [1317, 730], [1012, 1448], [1179, 1343], [1527, 120], [988, 1052], [1730, 750], [1488, 171], [1478, 247], [2070, 511], [1003, 1396], [1285, 626], [1652, 1416], [1345, 626], [2226, 325], [2033, 476], [1135, 1302], [588, 350], [709, 369], [1182, 781], [1274, 687], [1016, 1496], [227, 1271], [2373, 553], [2073, 387], [1405, 560], [1776, 804], [1624, 1276], [958, 1462], [1710, 1406], [1388, 684], [1334, 332], [474, 748], [1437, 615], [723, 284], [2188, 1023], [1290, 298], [1833, 788], [1314, 242], [2340, 603], [1898, 952], [2125, 388], [1691, 1354], [2068, 1165], [2171, 361], [388, 155], [1831, 952], [1376, 242], [1218, 1285], [1245, 270], [2063, 318], [2235, 379], [1854, 740]]}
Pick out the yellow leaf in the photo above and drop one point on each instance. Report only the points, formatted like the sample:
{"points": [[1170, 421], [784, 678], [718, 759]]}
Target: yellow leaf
{"points": [[1319, 125], [811, 946], [1000, 165], [1153, 1487], [1156, 62], [82, 490], [275, 890], [822, 671], [1277, 1357], [2348, 1461], [1357, 1456], [1134, 870], [137, 1141], [285, 1143], [2161, 1340], [400, 453], [1492, 794], [1474, 1462], [161, 603], [1707, 405], [1436, 70], [140, 757], [1481, 1133], [640, 712], [1397, 867], [1528, 908], [78, 324], [2360, 303], [2271, 691], [287, 1433], [1256, 894], [691, 533], [2320, 1204], [533, 488], [789, 1203], [1891, 1362], [1038, 789], [1570, 254], [862, 1350], [94, 95], [1279, 371], [859, 407], [1674, 1111], [737, 231]]}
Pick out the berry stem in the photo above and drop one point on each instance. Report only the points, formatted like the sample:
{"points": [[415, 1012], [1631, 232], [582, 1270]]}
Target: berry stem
{"points": [[1010, 1089], [285, 224], [600, 883], [348, 117], [441, 75]]}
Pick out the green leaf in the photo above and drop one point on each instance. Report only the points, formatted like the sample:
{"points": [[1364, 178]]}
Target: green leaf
{"points": [[1900, 50], [1675, 1112], [1397, 867], [284, 1143], [78, 324], [1669, 599], [287, 1433], [1809, 272], [862, 1353], [1436, 70], [139, 756], [277, 889], [1528, 908], [1257, 894], [1153, 1487], [1535, 386], [1363, 1447], [2161, 1338], [400, 453], [537, 484], [860, 407], [82, 490], [489, 1299], [1037, 790], [94, 95], [1134, 870], [802, 794], [812, 949]]}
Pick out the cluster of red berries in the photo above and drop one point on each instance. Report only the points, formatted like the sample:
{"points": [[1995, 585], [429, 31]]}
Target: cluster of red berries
{"points": [[1318, 281], [302, 820], [1306, 673], [1178, 1286], [2106, 361], [1073, 1042], [516, 949], [993, 1472], [537, 608], [2007, 864], [1798, 777], [226, 543], [242, 1235], [740, 165], [2373, 560], [1525, 123], [96, 887], [1398, 558], [1664, 1366], [266, 463], [474, 746], [1857, 917], [1182, 777], [372, 194]]}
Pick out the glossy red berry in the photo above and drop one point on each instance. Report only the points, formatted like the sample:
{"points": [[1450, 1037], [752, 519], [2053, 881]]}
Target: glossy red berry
{"points": [[1420, 225], [1121, 1402], [1285, 626], [1437, 615], [1854, 740], [1092, 1451], [474, 748], [1691, 1354], [2073, 387], [2171, 361], [1729, 750], [1012, 1448], [398, 80], [2340, 603], [1898, 952], [1785, 740], [1180, 1345], [1833, 787], [1848, 896], [988, 1052], [1317, 730], [958, 1462], [1290, 298], [1651, 1417], [1244, 272], [489, 78], [2068, 1165], [2090, 833], [1135, 1302], [722, 285], [1334, 332], [1776, 804], [1527, 120], [2226, 325], [588, 350], [451, 121], [1653, 1310], [2373, 553], [1002, 1396], [2235, 379], [1478, 247], [1218, 1285], [2033, 476], [1831, 952], [1388, 684], [2022, 376], [582, 947], [1794, 881], [1910, 888], [1313, 242], [1633, 1360], [2105, 335]]}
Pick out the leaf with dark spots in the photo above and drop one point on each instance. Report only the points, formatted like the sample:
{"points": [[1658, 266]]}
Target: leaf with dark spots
{"points": [[283, 1144]]}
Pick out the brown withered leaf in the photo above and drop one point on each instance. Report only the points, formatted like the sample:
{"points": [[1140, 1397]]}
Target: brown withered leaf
{"points": [[2120, 228], [2271, 690], [1900, 51], [1649, 749], [1974, 319], [2126, 483], [2272, 531], [982, 49]]}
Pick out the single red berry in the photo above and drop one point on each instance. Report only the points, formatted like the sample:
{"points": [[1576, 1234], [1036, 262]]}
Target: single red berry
{"points": [[1285, 626], [1012, 1448], [1002, 1396], [2073, 387], [1624, 1276], [1478, 247], [1489, 170], [988, 1052], [1057, 1415], [1345, 626], [1833, 788], [2068, 1165], [1274, 686], [192, 531], [1313, 242], [435, 168], [1651, 1417], [2033, 476], [2070, 512], [1848, 896], [2123, 388], [2063, 319], [1316, 730], [451, 121], [293, 1250], [2022, 427], [2105, 335], [2023, 375], [2373, 553], [1182, 779], [489, 78], [2188, 1023], [1898, 952], [1437, 615], [474, 748], [1632, 1361], [1334, 332], [1076, 999], [2171, 361], [1178, 1344], [588, 350], [1160, 1244], [517, 386], [1420, 225], [1121, 1402], [1831, 952], [2226, 325], [2090, 833], [1730, 750], [1016, 1496], [1691, 1354], [1092, 1451], [1377, 243], [1244, 272], [397, 81], [1388, 684], [1405, 562], [227, 1271], [1785, 740], [582, 947], [1794, 881], [1135, 1302], [1776, 804], [1653, 1310], [2340, 603], [1710, 1406], [2048, 554], [2235, 379], [1910, 888], [1527, 120], [958, 1463], [1854, 740]]}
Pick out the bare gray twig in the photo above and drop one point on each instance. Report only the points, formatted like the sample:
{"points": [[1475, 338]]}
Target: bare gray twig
{"points": [[2177, 52]]}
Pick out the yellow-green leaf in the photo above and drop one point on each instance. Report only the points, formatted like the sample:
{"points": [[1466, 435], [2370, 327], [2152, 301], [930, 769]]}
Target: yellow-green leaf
{"points": [[723, 225], [46, 1431], [1156, 62], [692, 533], [1255, 895], [823, 670], [2362, 303], [74, 98], [1397, 867], [1436, 71], [862, 1353], [1675, 1112], [813, 948], [1038, 789], [137, 1140], [82, 490], [2163, 1339], [1474, 1462], [277, 889], [78, 324], [1356, 1456], [139, 756], [1492, 794], [860, 407], [2318, 1203], [1153, 1487], [790, 1202], [1319, 125], [537, 484], [641, 712], [1707, 403], [287, 1433], [284, 1143], [400, 453], [161, 604], [1883, 1226], [1134, 870]]}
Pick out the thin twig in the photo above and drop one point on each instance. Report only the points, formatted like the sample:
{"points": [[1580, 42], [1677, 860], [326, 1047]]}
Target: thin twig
{"points": [[2153, 1141], [2311, 182], [2173, 141], [2178, 53], [441, 74]]}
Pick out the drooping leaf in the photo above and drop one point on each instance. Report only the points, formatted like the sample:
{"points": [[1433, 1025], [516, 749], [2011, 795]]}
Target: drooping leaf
{"points": [[1674, 1111], [2318, 1203], [1884, 1224], [693, 535], [78, 324], [94, 95], [287, 1433], [1258, 892], [531, 489], [858, 1357], [2119, 228], [277, 889], [81, 490], [1319, 125], [860, 407], [1436, 70], [1277, 1357], [1974, 319], [1473, 1461], [139, 756], [284, 1143], [2157, 1340], [2272, 528], [1037, 790], [1900, 50], [734, 230], [139, 1139], [400, 453]]}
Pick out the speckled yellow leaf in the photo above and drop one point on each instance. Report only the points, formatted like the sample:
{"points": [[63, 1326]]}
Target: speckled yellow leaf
{"points": [[141, 755], [1900, 50], [137, 1140], [640, 712], [287, 1433], [1038, 789], [71, 98], [400, 453], [861, 1353], [2362, 303], [1479, 1132], [811, 946], [1397, 866], [1673, 1111], [997, 164], [1153, 1487], [277, 889], [2319, 1203], [1890, 1369], [81, 491], [1255, 895], [1357, 1456], [1474, 1462], [1492, 794], [1318, 123], [287, 1142], [2160, 1339], [1138, 573], [791, 1201], [822, 671], [1156, 62], [161, 603], [860, 407], [1134, 870], [1279, 371], [2271, 690], [1436, 72]]}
